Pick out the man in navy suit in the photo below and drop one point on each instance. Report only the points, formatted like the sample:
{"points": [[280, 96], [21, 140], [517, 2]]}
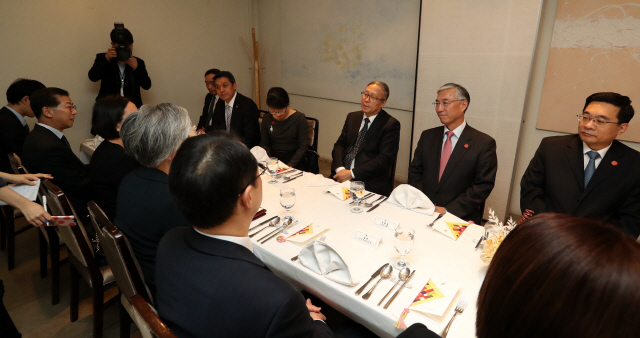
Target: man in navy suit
{"points": [[235, 112], [590, 174], [13, 125], [455, 165], [209, 282], [210, 100]]}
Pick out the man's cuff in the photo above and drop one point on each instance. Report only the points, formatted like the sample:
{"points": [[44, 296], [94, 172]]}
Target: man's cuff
{"points": [[339, 169], [320, 320], [353, 175]]}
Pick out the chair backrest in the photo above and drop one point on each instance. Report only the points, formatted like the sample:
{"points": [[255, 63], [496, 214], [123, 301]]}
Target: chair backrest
{"points": [[314, 128], [16, 164], [120, 256], [75, 237], [157, 327], [262, 112]]}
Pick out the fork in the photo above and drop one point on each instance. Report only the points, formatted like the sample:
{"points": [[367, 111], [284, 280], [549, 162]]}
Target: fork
{"points": [[462, 304], [293, 259]]}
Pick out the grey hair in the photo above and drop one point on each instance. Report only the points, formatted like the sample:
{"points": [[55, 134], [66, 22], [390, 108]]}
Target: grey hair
{"points": [[461, 92], [382, 85], [155, 132]]}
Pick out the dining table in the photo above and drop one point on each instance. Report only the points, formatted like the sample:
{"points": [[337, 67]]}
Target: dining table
{"points": [[433, 256]]}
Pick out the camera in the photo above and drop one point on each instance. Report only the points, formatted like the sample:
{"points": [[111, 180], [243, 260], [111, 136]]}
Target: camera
{"points": [[123, 51]]}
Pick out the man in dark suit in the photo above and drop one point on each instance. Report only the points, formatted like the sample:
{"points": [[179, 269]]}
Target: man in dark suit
{"points": [[13, 126], [210, 283], [455, 165], [122, 78], [368, 145], [235, 112], [590, 174], [209, 101], [46, 149]]}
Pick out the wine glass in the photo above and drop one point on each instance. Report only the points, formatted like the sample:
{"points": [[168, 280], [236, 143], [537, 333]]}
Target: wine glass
{"points": [[357, 193], [287, 200], [403, 242], [273, 165]]}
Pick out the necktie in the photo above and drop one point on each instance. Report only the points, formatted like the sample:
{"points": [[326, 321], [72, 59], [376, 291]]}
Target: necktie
{"points": [[227, 109], [351, 155], [446, 153], [64, 139], [212, 104], [591, 166]]}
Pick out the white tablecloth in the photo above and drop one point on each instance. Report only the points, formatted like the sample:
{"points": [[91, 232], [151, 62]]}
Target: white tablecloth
{"points": [[433, 256]]}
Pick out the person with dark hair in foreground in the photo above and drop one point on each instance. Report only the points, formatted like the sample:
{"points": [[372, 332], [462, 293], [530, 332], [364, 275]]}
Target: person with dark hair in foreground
{"points": [[116, 77], [557, 276], [13, 125], [284, 132], [109, 163], [209, 101], [210, 283], [590, 174]]}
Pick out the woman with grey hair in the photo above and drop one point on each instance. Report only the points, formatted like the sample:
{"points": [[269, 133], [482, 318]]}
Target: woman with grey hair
{"points": [[151, 135]]}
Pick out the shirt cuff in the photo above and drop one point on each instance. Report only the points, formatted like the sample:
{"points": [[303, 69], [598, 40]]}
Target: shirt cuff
{"points": [[320, 320], [339, 169], [353, 175]]}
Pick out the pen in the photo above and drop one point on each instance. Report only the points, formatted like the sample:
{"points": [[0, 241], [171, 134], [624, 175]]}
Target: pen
{"points": [[44, 205]]}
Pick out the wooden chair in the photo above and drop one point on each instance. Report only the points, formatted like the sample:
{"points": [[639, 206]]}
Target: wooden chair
{"points": [[83, 262], [150, 317], [312, 152]]}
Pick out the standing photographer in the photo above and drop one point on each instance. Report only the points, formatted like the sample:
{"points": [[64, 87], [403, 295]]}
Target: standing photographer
{"points": [[121, 73]]}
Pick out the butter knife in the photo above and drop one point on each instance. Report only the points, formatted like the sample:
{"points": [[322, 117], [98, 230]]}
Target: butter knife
{"points": [[375, 274], [364, 198], [430, 225], [280, 231], [261, 223], [377, 205], [292, 178], [400, 289]]}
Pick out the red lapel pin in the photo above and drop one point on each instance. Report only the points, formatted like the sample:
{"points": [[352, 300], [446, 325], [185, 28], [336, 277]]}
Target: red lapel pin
{"points": [[466, 145], [614, 163]]}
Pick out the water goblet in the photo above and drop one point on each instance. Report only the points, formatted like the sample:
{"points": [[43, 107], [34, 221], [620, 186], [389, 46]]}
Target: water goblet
{"points": [[357, 193], [403, 242], [287, 200], [273, 165]]}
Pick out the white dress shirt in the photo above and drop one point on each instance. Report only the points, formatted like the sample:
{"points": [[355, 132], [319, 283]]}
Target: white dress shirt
{"points": [[244, 241], [20, 117], [57, 132], [353, 163], [456, 135], [602, 152]]}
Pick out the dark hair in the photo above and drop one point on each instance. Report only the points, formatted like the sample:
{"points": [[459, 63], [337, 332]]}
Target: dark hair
{"points": [[128, 37], [213, 71], [623, 102], [107, 113], [46, 97], [226, 74], [206, 176], [21, 88], [277, 98], [382, 85], [561, 276]]}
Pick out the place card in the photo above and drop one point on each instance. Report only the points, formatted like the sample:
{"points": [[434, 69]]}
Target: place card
{"points": [[366, 238], [385, 223]]}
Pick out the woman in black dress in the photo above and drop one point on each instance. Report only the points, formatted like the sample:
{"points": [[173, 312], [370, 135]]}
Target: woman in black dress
{"points": [[284, 132], [109, 163]]}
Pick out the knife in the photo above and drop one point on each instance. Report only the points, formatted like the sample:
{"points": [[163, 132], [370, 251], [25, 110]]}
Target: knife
{"points": [[292, 178], [430, 225], [364, 198], [267, 221], [280, 231], [375, 274], [400, 289], [377, 205]]}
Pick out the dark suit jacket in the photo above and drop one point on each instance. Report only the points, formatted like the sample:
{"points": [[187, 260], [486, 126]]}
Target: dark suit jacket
{"points": [[418, 331], [376, 158], [213, 288], [244, 120], [108, 73], [12, 136], [554, 182], [203, 121], [44, 152], [467, 179]]}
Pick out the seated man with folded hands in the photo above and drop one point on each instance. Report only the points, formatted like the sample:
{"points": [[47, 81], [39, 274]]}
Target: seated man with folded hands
{"points": [[209, 282]]}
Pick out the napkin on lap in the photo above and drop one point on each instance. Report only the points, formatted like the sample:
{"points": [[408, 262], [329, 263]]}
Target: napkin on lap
{"points": [[322, 259], [410, 198]]}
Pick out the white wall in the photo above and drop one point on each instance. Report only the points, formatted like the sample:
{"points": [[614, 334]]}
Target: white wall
{"points": [[55, 42]]}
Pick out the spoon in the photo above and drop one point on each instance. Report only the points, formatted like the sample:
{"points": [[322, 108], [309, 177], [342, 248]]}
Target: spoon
{"points": [[367, 204], [273, 223], [384, 274], [402, 276], [287, 221]]}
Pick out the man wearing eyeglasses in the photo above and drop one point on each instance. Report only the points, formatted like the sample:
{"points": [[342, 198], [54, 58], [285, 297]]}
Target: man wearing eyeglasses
{"points": [[590, 174], [209, 101], [455, 165], [368, 145]]}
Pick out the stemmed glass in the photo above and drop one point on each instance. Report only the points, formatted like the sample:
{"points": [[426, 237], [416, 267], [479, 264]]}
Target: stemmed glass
{"points": [[357, 193], [273, 166], [287, 200], [403, 242]]}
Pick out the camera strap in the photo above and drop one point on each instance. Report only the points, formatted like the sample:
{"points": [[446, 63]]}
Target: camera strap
{"points": [[121, 72]]}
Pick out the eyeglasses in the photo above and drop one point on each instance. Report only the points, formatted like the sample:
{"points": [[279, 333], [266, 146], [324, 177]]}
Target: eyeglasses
{"points": [[369, 97], [279, 111], [70, 108], [597, 121], [261, 166], [444, 104]]}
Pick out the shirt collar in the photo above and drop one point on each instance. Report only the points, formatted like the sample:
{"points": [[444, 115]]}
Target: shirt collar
{"points": [[244, 241], [55, 131], [602, 152], [20, 117], [233, 100], [457, 131]]}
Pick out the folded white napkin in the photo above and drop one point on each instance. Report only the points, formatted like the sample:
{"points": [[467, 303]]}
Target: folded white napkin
{"points": [[341, 191], [322, 259], [317, 180], [260, 154], [410, 198]]}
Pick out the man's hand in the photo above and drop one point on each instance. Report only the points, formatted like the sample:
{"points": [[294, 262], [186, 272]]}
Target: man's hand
{"points": [[440, 210], [193, 132], [111, 53], [314, 311], [343, 175], [26, 178], [132, 62]]}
